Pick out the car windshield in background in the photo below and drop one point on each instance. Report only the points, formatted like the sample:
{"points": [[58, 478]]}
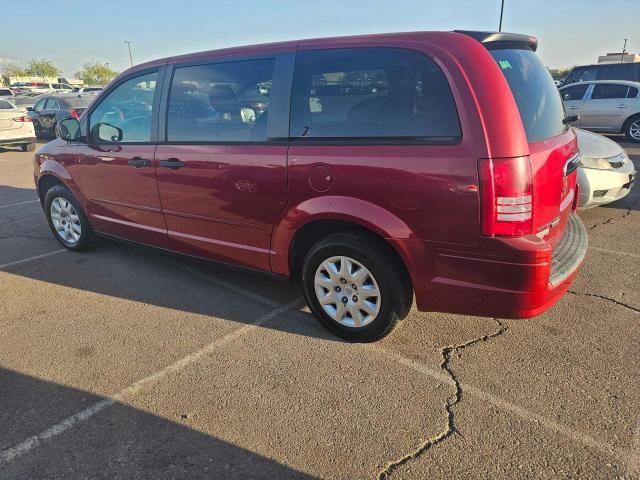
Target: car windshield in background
{"points": [[535, 93], [5, 105]]}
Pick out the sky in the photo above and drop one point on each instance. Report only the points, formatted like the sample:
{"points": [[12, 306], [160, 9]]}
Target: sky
{"points": [[70, 33]]}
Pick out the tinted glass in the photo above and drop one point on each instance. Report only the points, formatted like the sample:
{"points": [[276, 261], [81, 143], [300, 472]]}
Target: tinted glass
{"points": [[369, 93], [604, 91], [4, 105], [129, 107], [574, 93], [535, 93], [52, 104], [4, 92], [77, 102], [582, 74], [611, 72], [40, 105], [632, 93], [221, 102]]}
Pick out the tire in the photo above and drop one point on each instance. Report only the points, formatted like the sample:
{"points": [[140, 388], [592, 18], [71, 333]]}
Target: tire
{"points": [[632, 129], [66, 232], [29, 147], [381, 270]]}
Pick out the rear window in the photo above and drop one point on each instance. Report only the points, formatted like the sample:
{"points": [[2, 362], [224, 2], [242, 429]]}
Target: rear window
{"points": [[535, 93], [78, 102], [4, 105]]}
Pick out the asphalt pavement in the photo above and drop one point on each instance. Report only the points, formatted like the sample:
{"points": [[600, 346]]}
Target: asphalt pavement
{"points": [[129, 363]]}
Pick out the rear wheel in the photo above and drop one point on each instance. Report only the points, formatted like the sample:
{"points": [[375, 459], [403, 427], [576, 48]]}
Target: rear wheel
{"points": [[632, 129], [29, 147], [66, 219], [354, 287]]}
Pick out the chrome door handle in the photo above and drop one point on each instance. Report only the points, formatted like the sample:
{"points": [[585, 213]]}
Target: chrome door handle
{"points": [[138, 162], [172, 163], [574, 108], [623, 106]]}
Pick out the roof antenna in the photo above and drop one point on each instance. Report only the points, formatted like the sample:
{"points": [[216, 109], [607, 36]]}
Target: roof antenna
{"points": [[501, 11]]}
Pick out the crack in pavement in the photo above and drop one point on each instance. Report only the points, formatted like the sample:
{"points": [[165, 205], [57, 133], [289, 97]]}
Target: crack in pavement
{"points": [[603, 297], [453, 399], [610, 220]]}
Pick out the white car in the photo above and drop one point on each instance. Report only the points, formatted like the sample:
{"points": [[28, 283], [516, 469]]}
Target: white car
{"points": [[606, 173], [16, 127]]}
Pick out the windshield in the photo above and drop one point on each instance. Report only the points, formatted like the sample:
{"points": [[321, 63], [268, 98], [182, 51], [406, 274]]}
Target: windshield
{"points": [[535, 93]]}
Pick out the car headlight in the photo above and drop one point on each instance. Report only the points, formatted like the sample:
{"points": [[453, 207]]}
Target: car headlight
{"points": [[594, 162], [618, 161]]}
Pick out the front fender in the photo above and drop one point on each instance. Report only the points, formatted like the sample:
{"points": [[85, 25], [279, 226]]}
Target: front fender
{"points": [[352, 210], [62, 169]]}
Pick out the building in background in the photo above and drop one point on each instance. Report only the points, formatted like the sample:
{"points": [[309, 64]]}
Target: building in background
{"points": [[619, 57]]}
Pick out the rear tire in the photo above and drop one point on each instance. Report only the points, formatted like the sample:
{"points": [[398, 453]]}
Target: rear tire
{"points": [[29, 147], [355, 287], [632, 129], [66, 219]]}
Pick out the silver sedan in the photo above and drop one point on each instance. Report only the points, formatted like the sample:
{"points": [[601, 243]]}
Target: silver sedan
{"points": [[607, 106]]}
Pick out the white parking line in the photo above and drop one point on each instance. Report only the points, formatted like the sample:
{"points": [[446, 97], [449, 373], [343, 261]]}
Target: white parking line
{"points": [[19, 203], [516, 410], [70, 422], [30, 259], [614, 252]]}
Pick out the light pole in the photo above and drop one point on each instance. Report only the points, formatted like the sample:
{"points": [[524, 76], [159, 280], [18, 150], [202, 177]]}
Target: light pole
{"points": [[128, 42], [624, 50], [501, 12]]}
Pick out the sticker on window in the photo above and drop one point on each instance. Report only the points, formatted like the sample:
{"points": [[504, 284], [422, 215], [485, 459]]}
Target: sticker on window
{"points": [[505, 65]]}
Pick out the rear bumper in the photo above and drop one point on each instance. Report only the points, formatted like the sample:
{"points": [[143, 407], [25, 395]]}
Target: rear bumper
{"points": [[501, 277], [17, 141]]}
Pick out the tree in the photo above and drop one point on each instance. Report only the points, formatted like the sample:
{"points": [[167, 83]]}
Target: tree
{"points": [[42, 68], [13, 70], [96, 73]]}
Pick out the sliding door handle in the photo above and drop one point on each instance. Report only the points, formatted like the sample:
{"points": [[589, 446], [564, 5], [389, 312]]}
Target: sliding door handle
{"points": [[172, 163], [138, 162]]}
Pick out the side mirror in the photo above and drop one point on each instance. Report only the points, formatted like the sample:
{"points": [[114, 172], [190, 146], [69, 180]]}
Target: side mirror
{"points": [[105, 132], [30, 109], [68, 129]]}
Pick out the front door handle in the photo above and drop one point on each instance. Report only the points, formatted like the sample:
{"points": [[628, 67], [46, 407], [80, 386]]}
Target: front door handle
{"points": [[574, 108], [138, 162], [172, 163], [623, 106]]}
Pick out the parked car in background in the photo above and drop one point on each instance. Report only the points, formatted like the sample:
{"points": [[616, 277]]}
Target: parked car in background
{"points": [[87, 89], [606, 71], [50, 109], [606, 173], [6, 92], [605, 106], [413, 171], [16, 128]]}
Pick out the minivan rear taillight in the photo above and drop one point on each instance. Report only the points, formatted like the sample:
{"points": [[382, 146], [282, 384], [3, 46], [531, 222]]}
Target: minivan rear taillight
{"points": [[22, 119], [506, 186], [74, 114]]}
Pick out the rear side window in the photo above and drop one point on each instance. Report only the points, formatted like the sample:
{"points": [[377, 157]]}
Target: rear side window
{"points": [[603, 91], [632, 93], [4, 105], [220, 102], [535, 93], [371, 93], [574, 93]]}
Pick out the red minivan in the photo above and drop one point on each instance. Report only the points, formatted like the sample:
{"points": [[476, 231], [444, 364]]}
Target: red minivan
{"points": [[367, 168]]}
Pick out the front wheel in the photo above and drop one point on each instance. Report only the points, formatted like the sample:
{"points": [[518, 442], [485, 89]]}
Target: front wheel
{"points": [[355, 286], [66, 219]]}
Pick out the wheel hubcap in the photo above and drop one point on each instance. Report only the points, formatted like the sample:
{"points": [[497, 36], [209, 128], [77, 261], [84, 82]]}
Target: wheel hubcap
{"points": [[634, 130], [347, 291], [66, 221]]}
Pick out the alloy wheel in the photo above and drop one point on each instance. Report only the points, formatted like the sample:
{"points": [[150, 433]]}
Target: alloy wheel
{"points": [[634, 130], [66, 220]]}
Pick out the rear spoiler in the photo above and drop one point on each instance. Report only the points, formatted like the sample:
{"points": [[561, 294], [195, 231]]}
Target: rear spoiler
{"points": [[502, 40]]}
